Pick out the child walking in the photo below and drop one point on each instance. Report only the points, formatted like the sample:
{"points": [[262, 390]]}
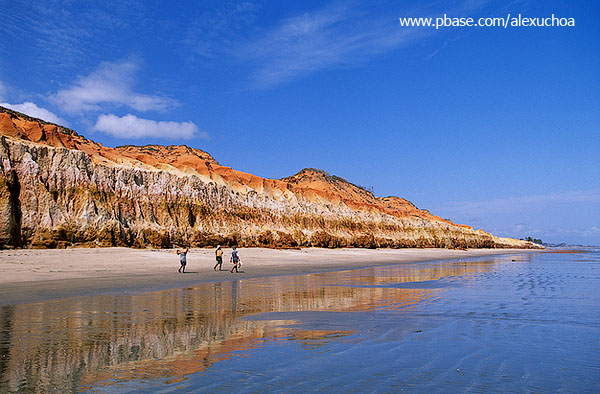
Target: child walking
{"points": [[235, 259]]}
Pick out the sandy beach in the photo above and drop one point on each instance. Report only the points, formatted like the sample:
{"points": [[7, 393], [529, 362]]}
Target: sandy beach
{"points": [[30, 275]]}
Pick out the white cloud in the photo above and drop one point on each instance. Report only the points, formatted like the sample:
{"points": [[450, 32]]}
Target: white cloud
{"points": [[34, 111], [333, 36], [130, 126], [2, 91], [110, 83]]}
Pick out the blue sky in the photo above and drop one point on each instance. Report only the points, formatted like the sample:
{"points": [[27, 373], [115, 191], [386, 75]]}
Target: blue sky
{"points": [[496, 128]]}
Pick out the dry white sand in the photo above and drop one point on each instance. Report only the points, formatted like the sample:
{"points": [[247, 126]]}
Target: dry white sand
{"points": [[28, 275]]}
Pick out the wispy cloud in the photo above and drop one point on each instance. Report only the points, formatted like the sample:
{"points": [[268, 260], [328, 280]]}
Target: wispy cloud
{"points": [[337, 35], [516, 204], [110, 83], [61, 36], [592, 233], [2, 91], [589, 235], [213, 33], [585, 235], [130, 126], [33, 110]]}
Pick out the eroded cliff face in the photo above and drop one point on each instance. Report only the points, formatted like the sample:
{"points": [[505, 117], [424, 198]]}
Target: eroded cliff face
{"points": [[60, 189]]}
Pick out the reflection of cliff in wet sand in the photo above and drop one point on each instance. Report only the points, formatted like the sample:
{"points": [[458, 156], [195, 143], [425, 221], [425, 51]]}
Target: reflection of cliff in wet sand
{"points": [[72, 342], [59, 189]]}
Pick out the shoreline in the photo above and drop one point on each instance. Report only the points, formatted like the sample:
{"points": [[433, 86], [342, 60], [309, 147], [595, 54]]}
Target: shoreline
{"points": [[36, 275]]}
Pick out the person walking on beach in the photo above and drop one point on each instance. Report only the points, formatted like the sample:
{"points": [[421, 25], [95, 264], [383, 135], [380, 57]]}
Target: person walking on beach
{"points": [[219, 255], [235, 258], [182, 259]]}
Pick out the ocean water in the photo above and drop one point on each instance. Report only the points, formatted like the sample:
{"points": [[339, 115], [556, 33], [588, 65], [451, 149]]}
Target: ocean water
{"points": [[517, 323]]}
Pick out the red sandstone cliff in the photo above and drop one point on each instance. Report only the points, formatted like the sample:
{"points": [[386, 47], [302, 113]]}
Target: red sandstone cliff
{"points": [[58, 188]]}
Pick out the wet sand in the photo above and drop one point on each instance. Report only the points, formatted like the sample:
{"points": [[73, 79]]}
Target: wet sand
{"points": [[500, 324], [35, 275]]}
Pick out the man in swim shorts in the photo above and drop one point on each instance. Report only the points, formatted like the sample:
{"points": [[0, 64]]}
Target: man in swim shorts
{"points": [[182, 259]]}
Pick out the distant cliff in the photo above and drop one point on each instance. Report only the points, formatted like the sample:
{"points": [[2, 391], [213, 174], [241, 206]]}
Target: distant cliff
{"points": [[59, 189]]}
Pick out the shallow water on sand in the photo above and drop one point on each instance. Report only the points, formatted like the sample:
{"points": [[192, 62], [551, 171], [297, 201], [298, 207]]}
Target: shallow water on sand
{"points": [[518, 323]]}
